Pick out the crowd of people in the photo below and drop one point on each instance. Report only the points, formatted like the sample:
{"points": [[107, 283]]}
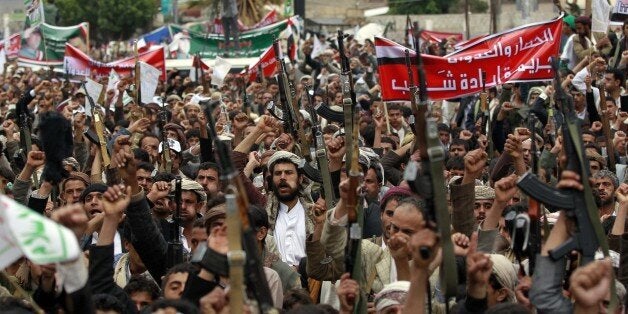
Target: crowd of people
{"points": [[123, 206]]}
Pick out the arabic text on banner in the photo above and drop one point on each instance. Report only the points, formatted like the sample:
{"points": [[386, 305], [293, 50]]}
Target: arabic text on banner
{"points": [[521, 54]]}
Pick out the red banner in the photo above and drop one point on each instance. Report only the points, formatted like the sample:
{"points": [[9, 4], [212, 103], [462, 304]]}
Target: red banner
{"points": [[518, 55], [77, 62], [11, 46], [268, 62], [439, 36]]}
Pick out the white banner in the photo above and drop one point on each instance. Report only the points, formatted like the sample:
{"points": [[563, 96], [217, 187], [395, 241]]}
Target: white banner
{"points": [[149, 78], [24, 232]]}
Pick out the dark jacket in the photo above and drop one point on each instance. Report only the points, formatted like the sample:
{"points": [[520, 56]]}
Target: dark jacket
{"points": [[101, 276]]}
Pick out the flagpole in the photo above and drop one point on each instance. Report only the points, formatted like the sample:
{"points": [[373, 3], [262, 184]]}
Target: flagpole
{"points": [[87, 39]]}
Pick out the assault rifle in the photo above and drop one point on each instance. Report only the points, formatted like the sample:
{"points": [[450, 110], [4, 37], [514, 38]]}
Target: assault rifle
{"points": [[578, 205], [290, 119], [166, 164], [243, 257], [427, 179], [606, 128], [354, 202], [320, 151], [175, 247], [24, 123]]}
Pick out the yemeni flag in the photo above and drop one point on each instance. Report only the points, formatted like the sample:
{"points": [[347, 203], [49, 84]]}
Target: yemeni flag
{"points": [[292, 36], [409, 32], [197, 63], [267, 62]]}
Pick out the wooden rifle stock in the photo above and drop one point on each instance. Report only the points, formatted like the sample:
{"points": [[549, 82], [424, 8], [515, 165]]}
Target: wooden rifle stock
{"points": [[606, 128], [100, 129]]}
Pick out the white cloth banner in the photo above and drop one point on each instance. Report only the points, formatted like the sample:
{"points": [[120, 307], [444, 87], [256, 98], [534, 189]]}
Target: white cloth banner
{"points": [[601, 19], [149, 78], [24, 232], [221, 69]]}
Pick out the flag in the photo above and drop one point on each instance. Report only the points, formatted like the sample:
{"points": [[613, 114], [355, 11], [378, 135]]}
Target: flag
{"points": [[149, 79], [221, 69], [439, 36], [24, 232], [77, 62], [518, 55], [409, 32], [292, 42], [600, 21], [268, 63], [197, 63]]}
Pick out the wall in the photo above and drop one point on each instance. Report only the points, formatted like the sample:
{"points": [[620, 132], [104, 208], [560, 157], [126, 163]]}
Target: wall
{"points": [[508, 18]]}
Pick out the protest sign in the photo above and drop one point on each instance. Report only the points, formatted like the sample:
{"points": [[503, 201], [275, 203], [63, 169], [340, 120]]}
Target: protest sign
{"points": [[77, 62], [45, 45], [252, 43], [520, 54]]}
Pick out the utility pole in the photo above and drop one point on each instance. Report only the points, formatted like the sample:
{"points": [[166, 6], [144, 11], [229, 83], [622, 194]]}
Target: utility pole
{"points": [[493, 5], [466, 18]]}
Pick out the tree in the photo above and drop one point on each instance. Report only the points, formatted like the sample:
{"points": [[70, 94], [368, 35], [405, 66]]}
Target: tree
{"points": [[109, 19]]}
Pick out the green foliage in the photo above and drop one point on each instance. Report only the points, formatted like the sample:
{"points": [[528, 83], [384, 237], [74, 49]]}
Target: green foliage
{"points": [[109, 19], [435, 6]]}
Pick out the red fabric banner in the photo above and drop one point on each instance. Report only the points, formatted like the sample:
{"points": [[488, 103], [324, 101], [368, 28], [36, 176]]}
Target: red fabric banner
{"points": [[268, 62], [439, 36], [77, 62], [517, 55]]}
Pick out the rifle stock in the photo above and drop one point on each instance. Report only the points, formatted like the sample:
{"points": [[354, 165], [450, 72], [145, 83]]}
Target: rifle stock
{"points": [[606, 128]]}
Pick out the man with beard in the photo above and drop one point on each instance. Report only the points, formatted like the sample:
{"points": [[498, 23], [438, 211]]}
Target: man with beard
{"points": [[289, 214], [208, 176], [605, 184]]}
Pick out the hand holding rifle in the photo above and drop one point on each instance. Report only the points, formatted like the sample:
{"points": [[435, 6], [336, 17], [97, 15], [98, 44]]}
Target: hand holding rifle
{"points": [[124, 160], [348, 292]]}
